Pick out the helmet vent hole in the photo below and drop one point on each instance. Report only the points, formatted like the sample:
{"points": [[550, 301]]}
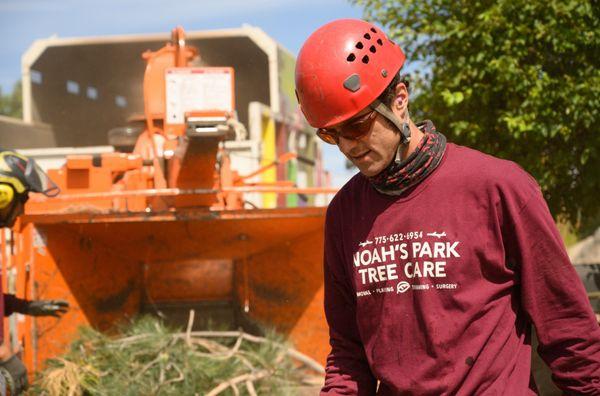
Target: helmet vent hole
{"points": [[379, 42], [359, 45], [351, 58], [373, 49], [367, 36], [365, 59], [373, 30]]}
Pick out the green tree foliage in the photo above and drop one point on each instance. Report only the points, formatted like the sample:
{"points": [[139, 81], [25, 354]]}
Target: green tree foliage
{"points": [[10, 104], [519, 79], [149, 358]]}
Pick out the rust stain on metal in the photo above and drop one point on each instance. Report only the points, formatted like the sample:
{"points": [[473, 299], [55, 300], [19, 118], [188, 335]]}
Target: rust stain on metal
{"points": [[273, 294], [115, 301]]}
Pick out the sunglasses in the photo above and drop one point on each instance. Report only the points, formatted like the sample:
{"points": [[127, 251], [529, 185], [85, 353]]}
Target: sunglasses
{"points": [[352, 129]]}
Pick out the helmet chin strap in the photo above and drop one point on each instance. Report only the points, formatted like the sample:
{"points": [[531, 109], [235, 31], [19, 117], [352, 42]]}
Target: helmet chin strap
{"points": [[402, 126], [405, 131]]}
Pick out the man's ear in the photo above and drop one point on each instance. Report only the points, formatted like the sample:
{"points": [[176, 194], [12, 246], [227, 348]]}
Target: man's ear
{"points": [[400, 103]]}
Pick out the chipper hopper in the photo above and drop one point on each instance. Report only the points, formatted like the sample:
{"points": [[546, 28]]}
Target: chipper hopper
{"points": [[170, 226]]}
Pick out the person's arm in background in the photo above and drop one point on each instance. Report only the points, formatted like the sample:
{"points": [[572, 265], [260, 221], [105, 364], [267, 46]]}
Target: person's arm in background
{"points": [[553, 295], [347, 370], [54, 308], [11, 367]]}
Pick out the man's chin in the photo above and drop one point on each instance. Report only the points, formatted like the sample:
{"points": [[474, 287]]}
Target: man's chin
{"points": [[370, 171]]}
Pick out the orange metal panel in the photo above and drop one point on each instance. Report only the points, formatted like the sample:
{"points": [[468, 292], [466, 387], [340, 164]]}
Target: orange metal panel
{"points": [[189, 280], [22, 249], [101, 284], [284, 288], [92, 180], [154, 80], [195, 168], [79, 162], [42, 206], [211, 239]]}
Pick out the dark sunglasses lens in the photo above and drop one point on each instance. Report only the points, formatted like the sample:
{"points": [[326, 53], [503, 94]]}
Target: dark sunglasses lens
{"points": [[354, 132], [351, 130], [359, 127]]}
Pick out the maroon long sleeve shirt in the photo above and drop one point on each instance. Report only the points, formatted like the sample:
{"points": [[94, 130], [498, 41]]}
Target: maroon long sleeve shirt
{"points": [[434, 292]]}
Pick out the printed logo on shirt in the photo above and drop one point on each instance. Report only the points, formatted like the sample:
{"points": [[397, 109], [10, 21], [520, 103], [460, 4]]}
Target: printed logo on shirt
{"points": [[422, 263], [401, 287], [365, 243]]}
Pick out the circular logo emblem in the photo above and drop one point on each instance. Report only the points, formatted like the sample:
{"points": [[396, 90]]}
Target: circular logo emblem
{"points": [[401, 287]]}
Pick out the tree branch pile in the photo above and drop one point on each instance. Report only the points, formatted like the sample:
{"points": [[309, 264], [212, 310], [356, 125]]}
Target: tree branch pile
{"points": [[151, 359]]}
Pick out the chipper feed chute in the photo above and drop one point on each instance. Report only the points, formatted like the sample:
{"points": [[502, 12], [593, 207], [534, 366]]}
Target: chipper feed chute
{"points": [[234, 268]]}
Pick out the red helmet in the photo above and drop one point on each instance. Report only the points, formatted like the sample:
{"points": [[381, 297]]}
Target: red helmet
{"points": [[343, 67]]}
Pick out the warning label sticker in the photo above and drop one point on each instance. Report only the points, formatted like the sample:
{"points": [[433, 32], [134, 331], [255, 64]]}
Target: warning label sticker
{"points": [[198, 89]]}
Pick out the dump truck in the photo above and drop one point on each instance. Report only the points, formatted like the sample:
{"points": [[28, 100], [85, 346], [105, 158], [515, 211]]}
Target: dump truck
{"points": [[192, 183]]}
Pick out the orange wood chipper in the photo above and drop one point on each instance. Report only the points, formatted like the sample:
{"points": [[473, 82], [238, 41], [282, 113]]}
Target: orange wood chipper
{"points": [[169, 227]]}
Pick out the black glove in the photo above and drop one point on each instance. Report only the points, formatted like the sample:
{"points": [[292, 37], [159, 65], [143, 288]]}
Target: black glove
{"points": [[15, 373], [46, 308]]}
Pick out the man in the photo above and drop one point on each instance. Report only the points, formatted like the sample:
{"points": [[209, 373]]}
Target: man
{"points": [[438, 258], [18, 176]]}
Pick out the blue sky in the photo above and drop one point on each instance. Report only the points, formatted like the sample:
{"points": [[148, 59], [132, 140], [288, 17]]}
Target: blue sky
{"points": [[287, 21]]}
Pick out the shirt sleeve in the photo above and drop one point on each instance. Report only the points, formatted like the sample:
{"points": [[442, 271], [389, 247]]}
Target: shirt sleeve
{"points": [[13, 304], [553, 296], [347, 369]]}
